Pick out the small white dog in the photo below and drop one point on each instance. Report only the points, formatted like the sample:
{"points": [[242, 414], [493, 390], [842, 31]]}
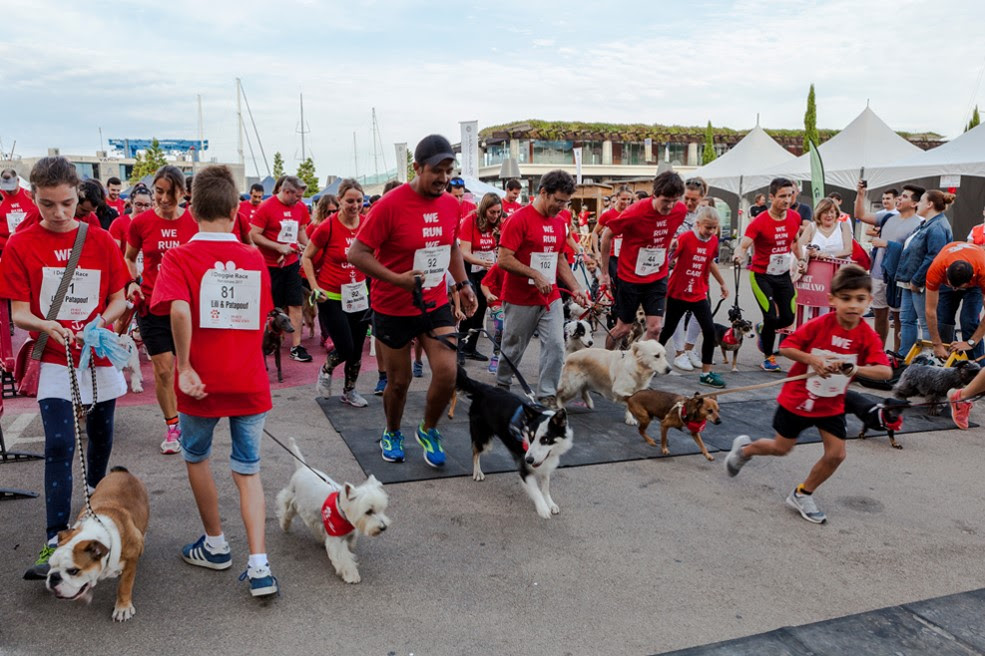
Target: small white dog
{"points": [[335, 514], [616, 375], [133, 363], [577, 336]]}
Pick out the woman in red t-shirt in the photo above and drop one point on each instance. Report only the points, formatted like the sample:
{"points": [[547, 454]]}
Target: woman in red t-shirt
{"points": [[31, 271], [343, 298], [478, 237]]}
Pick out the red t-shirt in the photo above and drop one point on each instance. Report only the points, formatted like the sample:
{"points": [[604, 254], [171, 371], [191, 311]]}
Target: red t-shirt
{"points": [[248, 209], [31, 269], [14, 209], [333, 239], [510, 208], [228, 360], [772, 238], [957, 250], [607, 216], [120, 228], [583, 218], [280, 223], [154, 236], [569, 252], [33, 218], [241, 227], [530, 234], [119, 205], [646, 236], [494, 279], [824, 336], [483, 244], [465, 208], [693, 258], [399, 227]]}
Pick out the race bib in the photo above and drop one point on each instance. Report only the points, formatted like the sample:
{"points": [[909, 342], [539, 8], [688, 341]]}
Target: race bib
{"points": [[229, 299], [14, 219], [546, 264], [81, 298], [488, 259], [834, 384], [779, 264], [616, 246], [355, 298], [650, 260], [140, 262], [433, 262], [288, 231]]}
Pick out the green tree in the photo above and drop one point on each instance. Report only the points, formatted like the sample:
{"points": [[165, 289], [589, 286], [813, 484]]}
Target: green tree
{"points": [[306, 171], [810, 121], [278, 165], [410, 167], [975, 119], [709, 151], [149, 161]]}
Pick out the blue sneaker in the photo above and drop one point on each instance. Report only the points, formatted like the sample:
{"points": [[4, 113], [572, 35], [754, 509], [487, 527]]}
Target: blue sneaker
{"points": [[434, 455], [392, 446], [380, 386], [418, 369], [770, 364], [759, 337], [199, 555], [262, 582], [494, 364]]}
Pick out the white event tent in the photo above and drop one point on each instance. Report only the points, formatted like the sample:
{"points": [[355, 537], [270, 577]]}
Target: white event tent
{"points": [[757, 150], [965, 155]]}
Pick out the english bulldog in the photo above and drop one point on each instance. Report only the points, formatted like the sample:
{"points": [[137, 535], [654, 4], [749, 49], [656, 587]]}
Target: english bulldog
{"points": [[103, 546]]}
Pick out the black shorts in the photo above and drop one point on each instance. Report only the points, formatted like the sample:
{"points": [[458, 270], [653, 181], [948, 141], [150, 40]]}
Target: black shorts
{"points": [[790, 425], [155, 332], [285, 286], [652, 295], [396, 332]]}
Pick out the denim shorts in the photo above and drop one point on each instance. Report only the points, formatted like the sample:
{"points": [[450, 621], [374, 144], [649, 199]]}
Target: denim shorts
{"points": [[247, 431]]}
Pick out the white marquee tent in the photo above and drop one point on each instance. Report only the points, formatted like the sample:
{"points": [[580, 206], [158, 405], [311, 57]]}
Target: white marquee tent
{"points": [[965, 155], [756, 150]]}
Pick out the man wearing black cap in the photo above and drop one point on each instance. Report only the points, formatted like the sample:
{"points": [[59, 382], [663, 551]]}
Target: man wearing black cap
{"points": [[411, 238], [16, 205]]}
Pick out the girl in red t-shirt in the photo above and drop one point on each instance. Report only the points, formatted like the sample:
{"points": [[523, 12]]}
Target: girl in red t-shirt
{"points": [[687, 289], [343, 299], [478, 237], [33, 264], [492, 291]]}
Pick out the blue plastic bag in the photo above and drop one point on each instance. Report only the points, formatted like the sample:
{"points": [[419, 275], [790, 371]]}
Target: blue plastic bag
{"points": [[105, 343]]}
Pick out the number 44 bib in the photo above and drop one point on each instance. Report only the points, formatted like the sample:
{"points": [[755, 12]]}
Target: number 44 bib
{"points": [[229, 298], [649, 260]]}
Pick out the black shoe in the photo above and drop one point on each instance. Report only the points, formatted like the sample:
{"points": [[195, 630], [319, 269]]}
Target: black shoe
{"points": [[300, 354], [475, 355]]}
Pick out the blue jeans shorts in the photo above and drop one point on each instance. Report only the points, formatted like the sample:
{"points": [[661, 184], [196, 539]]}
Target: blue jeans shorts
{"points": [[246, 430]]}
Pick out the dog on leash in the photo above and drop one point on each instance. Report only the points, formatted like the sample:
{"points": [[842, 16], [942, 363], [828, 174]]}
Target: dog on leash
{"points": [[933, 383], [335, 514], [729, 338], [278, 324], [105, 546], [885, 414], [673, 411], [535, 436], [577, 336], [133, 362], [309, 314], [616, 375]]}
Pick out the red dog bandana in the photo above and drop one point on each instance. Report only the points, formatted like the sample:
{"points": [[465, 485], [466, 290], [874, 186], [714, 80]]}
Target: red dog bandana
{"points": [[728, 339], [891, 425], [335, 524], [693, 426]]}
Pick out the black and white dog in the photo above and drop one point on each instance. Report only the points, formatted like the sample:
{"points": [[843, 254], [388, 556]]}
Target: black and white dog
{"points": [[577, 336], [881, 414], [536, 436]]}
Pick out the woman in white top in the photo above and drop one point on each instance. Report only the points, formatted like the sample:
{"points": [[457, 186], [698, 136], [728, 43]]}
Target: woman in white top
{"points": [[827, 236]]}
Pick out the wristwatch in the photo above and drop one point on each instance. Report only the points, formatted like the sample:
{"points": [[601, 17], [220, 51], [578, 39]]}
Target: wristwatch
{"points": [[971, 341], [464, 283]]}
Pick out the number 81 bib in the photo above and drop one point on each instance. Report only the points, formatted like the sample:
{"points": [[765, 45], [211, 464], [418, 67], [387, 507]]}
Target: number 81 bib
{"points": [[229, 299]]}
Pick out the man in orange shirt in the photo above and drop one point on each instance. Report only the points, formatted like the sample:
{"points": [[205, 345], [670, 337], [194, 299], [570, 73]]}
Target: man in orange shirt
{"points": [[956, 276]]}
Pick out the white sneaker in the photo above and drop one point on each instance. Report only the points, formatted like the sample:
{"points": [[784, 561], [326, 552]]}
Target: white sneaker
{"points": [[354, 398], [172, 440], [324, 385], [683, 363], [693, 356]]}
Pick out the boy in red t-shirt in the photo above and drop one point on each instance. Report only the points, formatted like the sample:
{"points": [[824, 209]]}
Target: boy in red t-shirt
{"points": [[217, 291], [836, 347]]}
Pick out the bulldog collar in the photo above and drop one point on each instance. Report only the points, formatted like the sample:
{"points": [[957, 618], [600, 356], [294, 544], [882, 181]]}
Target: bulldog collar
{"points": [[332, 518]]}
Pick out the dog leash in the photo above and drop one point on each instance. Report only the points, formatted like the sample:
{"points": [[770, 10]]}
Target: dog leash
{"points": [[79, 410], [295, 456]]}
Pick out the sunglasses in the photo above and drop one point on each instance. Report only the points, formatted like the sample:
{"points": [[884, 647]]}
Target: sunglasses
{"points": [[457, 182]]}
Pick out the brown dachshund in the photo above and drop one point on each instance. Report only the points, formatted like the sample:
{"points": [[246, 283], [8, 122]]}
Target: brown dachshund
{"points": [[673, 411]]}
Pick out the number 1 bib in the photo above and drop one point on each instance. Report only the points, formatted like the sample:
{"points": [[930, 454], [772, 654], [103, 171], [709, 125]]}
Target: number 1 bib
{"points": [[288, 231], [229, 299], [650, 260], [546, 264], [82, 295], [433, 262]]}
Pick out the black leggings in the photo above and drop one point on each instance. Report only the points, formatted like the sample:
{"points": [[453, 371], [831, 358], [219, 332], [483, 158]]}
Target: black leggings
{"points": [[701, 312], [347, 330], [777, 298], [477, 320]]}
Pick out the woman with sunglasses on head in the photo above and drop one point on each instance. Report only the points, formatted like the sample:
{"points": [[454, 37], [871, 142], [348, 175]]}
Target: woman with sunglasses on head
{"points": [[140, 201], [478, 236], [152, 233], [341, 291]]}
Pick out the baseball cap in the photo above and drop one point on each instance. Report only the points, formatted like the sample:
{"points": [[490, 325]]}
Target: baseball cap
{"points": [[433, 149], [8, 180]]}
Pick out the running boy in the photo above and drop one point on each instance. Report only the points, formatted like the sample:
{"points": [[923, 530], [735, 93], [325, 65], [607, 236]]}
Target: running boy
{"points": [[836, 347], [217, 291]]}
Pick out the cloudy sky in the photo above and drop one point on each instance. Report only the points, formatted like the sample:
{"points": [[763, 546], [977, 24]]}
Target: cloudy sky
{"points": [[134, 69]]}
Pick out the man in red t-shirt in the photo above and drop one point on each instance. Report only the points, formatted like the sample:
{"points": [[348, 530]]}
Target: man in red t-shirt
{"points": [[511, 203], [113, 187], [217, 292], [531, 252], [408, 243], [955, 278], [773, 236], [15, 206], [456, 187], [834, 348], [647, 228], [278, 231]]}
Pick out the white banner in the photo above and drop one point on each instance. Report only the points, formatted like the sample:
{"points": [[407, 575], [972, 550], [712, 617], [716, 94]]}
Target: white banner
{"points": [[401, 149], [950, 181], [470, 149], [577, 165]]}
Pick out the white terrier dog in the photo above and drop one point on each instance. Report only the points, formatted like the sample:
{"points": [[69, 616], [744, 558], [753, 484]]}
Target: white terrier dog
{"points": [[335, 514], [133, 363]]}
